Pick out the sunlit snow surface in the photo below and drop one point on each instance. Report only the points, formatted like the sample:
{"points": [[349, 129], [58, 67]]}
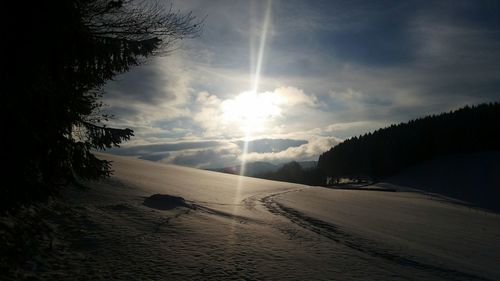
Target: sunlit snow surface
{"points": [[270, 231]]}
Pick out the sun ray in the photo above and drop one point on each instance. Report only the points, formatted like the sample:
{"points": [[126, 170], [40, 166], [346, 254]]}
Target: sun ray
{"points": [[255, 87], [256, 77], [260, 56]]}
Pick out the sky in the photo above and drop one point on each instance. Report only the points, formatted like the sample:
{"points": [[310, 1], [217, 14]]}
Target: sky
{"points": [[284, 80]]}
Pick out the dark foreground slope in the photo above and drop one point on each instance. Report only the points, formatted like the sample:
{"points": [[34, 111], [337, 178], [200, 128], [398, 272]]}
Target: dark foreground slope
{"points": [[473, 178]]}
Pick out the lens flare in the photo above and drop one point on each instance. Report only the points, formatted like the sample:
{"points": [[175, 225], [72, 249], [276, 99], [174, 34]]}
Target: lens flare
{"points": [[252, 107]]}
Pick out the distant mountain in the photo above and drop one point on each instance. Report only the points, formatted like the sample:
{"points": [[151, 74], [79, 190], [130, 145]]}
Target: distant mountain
{"points": [[251, 168], [307, 164], [261, 167]]}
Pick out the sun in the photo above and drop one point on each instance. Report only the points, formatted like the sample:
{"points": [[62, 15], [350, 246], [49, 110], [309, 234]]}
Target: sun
{"points": [[252, 111]]}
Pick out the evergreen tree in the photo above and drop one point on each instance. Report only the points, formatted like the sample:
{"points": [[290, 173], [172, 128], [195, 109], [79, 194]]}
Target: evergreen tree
{"points": [[389, 150], [57, 62]]}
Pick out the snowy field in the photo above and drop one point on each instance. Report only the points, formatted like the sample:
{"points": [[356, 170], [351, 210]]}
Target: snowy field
{"points": [[237, 228]]}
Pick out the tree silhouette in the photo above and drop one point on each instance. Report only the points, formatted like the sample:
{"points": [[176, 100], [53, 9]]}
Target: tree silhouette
{"points": [[293, 172], [57, 63], [386, 151]]}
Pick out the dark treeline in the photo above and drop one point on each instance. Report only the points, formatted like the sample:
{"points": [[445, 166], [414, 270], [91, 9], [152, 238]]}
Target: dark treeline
{"points": [[387, 151], [294, 172]]}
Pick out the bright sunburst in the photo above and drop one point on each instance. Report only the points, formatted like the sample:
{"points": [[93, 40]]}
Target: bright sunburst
{"points": [[251, 110]]}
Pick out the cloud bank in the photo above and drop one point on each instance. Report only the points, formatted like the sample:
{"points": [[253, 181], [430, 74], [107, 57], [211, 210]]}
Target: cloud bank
{"points": [[330, 71]]}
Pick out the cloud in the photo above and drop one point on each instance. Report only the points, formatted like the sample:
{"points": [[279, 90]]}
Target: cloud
{"points": [[208, 114], [295, 97], [205, 154], [346, 126], [158, 91], [270, 150], [330, 71], [308, 151], [230, 153], [349, 129], [164, 80], [268, 145], [260, 112]]}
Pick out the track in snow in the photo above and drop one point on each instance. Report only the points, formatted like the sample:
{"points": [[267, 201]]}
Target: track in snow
{"points": [[370, 247]]}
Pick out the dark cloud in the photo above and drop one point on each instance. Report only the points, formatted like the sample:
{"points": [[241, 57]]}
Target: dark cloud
{"points": [[144, 84], [120, 111], [376, 34], [480, 14], [161, 83], [363, 32]]}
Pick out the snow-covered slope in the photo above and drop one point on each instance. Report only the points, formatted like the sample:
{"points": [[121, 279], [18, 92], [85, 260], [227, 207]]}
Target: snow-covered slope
{"points": [[232, 227]]}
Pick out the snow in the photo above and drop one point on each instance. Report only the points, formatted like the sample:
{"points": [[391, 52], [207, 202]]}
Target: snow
{"points": [[410, 229], [211, 226]]}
